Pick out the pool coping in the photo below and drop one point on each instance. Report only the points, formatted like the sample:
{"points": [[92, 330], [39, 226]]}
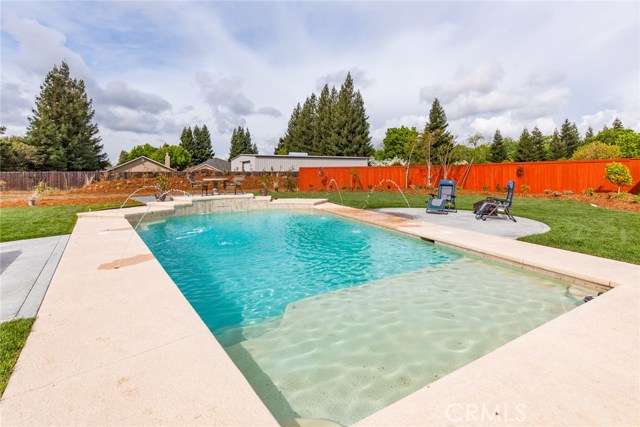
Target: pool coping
{"points": [[89, 361]]}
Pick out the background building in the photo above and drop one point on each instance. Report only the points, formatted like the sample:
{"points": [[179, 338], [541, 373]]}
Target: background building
{"points": [[292, 162]]}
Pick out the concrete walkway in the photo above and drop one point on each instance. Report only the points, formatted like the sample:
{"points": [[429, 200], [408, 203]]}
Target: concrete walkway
{"points": [[26, 269], [466, 220]]}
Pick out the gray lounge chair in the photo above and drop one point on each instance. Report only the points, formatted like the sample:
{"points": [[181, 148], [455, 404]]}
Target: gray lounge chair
{"points": [[445, 201], [492, 206]]}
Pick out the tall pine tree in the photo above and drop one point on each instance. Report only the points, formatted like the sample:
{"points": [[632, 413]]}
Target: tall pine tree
{"points": [[202, 149], [570, 138], [556, 147], [241, 143], [588, 135], [323, 129], [61, 127], [498, 151], [335, 124], [186, 139], [537, 140], [437, 127], [525, 151], [360, 140]]}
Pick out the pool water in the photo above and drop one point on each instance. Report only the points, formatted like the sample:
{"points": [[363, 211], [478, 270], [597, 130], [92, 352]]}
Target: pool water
{"points": [[330, 318]]}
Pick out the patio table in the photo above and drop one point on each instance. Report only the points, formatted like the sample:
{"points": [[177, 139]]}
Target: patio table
{"points": [[216, 183]]}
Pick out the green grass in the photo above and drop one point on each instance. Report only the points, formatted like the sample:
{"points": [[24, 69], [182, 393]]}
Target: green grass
{"points": [[575, 226], [13, 335], [43, 221]]}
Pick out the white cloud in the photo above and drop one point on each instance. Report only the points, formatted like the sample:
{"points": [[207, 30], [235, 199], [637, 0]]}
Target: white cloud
{"points": [[41, 47], [155, 67], [120, 94]]}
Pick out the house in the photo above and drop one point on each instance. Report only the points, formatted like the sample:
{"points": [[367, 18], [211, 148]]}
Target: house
{"points": [[212, 165], [142, 164], [292, 162]]}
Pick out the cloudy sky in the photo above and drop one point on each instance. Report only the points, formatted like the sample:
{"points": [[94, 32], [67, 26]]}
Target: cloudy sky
{"points": [[154, 67]]}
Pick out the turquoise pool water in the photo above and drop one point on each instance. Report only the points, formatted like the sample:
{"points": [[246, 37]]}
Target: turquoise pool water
{"points": [[331, 318]]}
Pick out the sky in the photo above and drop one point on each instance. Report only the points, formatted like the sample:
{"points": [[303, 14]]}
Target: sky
{"points": [[154, 67]]}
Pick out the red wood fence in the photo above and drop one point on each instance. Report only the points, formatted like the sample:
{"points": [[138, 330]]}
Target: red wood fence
{"points": [[539, 176]]}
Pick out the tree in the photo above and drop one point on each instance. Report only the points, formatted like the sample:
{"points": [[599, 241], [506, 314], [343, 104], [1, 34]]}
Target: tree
{"points": [[537, 139], [475, 139], [304, 132], [336, 124], [359, 138], [179, 157], [618, 174], [17, 155], [525, 151], [241, 143], [122, 158], [343, 117], [626, 139], [146, 150], [447, 155], [324, 130], [186, 139], [291, 134], [597, 150], [61, 126], [498, 151], [556, 147], [201, 150], [398, 142], [437, 126], [570, 137], [511, 146], [588, 135], [617, 123]]}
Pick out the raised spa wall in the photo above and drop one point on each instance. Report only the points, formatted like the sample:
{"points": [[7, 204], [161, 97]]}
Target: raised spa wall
{"points": [[183, 206]]}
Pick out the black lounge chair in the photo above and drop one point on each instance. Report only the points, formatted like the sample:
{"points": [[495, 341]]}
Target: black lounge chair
{"points": [[490, 207], [445, 201]]}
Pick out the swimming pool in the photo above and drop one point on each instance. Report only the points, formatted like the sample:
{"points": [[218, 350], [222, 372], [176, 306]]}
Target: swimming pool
{"points": [[330, 318]]}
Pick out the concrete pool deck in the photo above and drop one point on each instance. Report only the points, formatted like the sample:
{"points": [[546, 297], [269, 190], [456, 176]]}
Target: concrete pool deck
{"points": [[121, 346]]}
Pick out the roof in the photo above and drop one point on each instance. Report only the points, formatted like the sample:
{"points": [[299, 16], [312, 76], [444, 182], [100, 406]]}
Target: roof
{"points": [[215, 163], [138, 160], [297, 156]]}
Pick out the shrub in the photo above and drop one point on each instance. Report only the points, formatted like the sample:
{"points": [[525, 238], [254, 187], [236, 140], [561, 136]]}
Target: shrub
{"points": [[547, 191], [289, 182], [588, 192], [557, 194], [567, 192], [597, 150], [498, 188], [618, 174], [3, 185], [485, 188], [617, 195], [525, 189], [635, 199]]}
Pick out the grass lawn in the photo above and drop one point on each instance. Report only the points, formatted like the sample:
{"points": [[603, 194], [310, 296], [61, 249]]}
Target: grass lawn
{"points": [[43, 221], [13, 335], [575, 226]]}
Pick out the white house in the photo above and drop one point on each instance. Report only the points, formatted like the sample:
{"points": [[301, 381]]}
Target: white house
{"points": [[292, 162]]}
